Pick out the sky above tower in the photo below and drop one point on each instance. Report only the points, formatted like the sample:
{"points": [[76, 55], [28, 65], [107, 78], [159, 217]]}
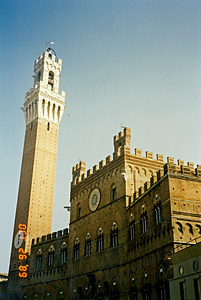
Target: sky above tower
{"points": [[134, 63]]}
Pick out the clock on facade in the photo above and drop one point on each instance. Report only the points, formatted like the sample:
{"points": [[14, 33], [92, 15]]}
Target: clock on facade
{"points": [[19, 238], [94, 199]]}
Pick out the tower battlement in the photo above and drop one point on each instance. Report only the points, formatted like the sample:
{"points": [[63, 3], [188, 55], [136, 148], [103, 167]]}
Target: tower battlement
{"points": [[47, 69], [48, 54], [50, 236], [122, 139], [78, 170]]}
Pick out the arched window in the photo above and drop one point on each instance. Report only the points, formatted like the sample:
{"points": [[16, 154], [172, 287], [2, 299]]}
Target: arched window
{"points": [[53, 111], [132, 230], [47, 296], [144, 222], [113, 192], [76, 248], [99, 292], [162, 284], [60, 296], [39, 259], [114, 291], [51, 79], [51, 256], [58, 113], [43, 107], [88, 245], [100, 240], [157, 210], [48, 109], [63, 253], [79, 211], [114, 235], [30, 110], [133, 289], [146, 289]]}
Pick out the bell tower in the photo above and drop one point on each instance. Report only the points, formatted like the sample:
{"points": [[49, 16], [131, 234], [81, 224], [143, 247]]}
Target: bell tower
{"points": [[43, 110]]}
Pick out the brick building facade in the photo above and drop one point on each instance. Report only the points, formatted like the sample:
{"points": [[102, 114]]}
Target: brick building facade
{"points": [[128, 215]]}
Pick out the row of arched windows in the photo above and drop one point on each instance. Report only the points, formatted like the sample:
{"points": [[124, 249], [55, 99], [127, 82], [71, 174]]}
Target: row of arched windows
{"points": [[47, 296], [31, 110], [143, 220], [50, 256], [113, 291], [99, 244]]}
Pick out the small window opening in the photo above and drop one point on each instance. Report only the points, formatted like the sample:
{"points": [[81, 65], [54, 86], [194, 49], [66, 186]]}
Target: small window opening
{"points": [[50, 258], [43, 107], [58, 113], [76, 251], [48, 126], [38, 77], [88, 247], [100, 242], [79, 212], [48, 109], [51, 79], [132, 231], [114, 193], [53, 111], [63, 255], [114, 237]]}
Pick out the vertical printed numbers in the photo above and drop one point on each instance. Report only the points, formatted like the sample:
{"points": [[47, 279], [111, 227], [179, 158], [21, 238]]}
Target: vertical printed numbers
{"points": [[22, 253]]}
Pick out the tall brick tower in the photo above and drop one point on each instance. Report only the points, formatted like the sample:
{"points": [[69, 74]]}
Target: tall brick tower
{"points": [[43, 110]]}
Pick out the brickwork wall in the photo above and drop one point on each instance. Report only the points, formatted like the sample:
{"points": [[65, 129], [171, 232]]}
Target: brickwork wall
{"points": [[36, 189]]}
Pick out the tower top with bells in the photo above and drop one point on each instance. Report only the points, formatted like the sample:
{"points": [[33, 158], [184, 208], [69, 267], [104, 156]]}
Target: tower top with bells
{"points": [[44, 100]]}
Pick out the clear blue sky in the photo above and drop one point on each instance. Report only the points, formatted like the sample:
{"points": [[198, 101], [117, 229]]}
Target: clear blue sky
{"points": [[129, 62]]}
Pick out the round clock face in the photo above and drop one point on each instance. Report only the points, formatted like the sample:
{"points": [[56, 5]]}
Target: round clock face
{"points": [[19, 238], [94, 199]]}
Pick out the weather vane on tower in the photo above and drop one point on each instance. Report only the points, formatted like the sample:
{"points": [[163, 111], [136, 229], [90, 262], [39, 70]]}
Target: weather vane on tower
{"points": [[50, 42]]}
